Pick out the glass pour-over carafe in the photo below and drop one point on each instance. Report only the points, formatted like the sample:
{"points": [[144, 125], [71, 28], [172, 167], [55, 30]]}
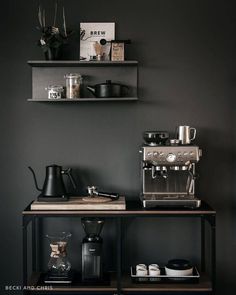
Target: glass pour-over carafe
{"points": [[59, 265]]}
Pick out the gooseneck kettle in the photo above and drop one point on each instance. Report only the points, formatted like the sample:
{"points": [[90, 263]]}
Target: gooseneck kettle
{"points": [[54, 187]]}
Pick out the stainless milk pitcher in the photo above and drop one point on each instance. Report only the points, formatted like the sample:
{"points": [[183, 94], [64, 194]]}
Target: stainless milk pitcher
{"points": [[186, 134]]}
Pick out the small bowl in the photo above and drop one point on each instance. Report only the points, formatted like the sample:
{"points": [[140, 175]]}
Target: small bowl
{"points": [[178, 273], [178, 268]]}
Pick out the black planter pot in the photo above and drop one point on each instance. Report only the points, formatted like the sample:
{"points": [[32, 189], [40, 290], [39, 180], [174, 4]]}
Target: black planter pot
{"points": [[52, 54]]}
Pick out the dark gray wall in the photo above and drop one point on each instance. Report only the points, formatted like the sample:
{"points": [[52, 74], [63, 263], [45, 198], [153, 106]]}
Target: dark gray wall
{"points": [[186, 51]]}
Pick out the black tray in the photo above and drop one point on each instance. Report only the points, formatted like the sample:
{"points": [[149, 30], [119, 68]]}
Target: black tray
{"points": [[163, 278]]}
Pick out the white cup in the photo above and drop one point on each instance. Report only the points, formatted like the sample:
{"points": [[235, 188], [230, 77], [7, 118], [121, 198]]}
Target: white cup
{"points": [[141, 270], [153, 265], [154, 270], [141, 266]]}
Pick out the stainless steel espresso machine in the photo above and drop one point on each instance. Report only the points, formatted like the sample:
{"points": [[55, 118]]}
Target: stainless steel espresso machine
{"points": [[168, 171]]}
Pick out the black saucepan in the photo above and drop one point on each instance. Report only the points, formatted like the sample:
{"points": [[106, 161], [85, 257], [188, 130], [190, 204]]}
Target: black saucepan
{"points": [[108, 89]]}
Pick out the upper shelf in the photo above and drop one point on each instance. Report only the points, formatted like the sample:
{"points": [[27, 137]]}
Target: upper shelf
{"points": [[76, 63], [133, 208], [84, 99]]}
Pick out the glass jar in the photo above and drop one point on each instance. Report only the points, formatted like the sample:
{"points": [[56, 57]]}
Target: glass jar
{"points": [[73, 85], [55, 91], [59, 264]]}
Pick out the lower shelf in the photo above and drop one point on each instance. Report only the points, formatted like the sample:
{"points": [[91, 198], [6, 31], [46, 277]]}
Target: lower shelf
{"points": [[127, 286]]}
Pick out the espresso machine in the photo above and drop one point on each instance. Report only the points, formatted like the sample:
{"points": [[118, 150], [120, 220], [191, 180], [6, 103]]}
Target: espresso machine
{"points": [[92, 268], [168, 171]]}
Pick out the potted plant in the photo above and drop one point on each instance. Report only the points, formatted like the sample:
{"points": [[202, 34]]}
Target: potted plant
{"points": [[52, 37]]}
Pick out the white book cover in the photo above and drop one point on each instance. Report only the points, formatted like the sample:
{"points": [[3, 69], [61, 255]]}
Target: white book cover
{"points": [[90, 36]]}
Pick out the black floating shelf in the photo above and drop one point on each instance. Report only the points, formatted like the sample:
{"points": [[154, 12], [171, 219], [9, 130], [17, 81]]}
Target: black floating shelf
{"points": [[67, 100], [76, 63]]}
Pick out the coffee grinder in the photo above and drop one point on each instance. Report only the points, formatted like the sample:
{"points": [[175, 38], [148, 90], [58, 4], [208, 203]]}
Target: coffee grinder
{"points": [[92, 250]]}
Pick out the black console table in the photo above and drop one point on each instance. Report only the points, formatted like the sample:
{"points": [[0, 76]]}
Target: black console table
{"points": [[120, 282]]}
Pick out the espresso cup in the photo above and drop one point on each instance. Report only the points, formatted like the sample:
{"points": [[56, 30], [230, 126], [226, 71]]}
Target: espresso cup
{"points": [[141, 270], [154, 270], [186, 134]]}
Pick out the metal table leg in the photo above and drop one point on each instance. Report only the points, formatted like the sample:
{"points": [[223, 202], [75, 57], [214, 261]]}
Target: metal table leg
{"points": [[119, 255], [213, 253], [34, 245], [203, 245], [212, 221], [25, 221]]}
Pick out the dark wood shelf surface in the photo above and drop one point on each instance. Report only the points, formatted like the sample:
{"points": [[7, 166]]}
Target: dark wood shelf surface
{"points": [[204, 285], [67, 100], [133, 208], [127, 286], [76, 63], [35, 281]]}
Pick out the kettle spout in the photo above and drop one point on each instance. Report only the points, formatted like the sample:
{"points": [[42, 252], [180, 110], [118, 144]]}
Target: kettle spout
{"points": [[91, 89], [35, 180]]}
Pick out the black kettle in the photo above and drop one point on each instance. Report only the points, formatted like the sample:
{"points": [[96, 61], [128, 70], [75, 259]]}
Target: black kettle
{"points": [[54, 187]]}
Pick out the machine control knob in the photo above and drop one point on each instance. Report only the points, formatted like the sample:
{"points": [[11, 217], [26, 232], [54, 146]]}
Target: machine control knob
{"points": [[149, 154], [185, 153], [170, 158], [161, 153], [155, 154]]}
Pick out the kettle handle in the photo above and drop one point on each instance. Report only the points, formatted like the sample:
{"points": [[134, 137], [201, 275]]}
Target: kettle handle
{"points": [[68, 173], [35, 180]]}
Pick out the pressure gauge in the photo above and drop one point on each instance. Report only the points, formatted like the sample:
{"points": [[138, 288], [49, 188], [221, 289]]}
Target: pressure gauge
{"points": [[170, 158]]}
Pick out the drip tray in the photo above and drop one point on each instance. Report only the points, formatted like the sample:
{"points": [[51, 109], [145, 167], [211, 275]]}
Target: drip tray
{"points": [[170, 202]]}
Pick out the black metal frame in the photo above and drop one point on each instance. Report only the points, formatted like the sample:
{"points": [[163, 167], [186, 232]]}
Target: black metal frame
{"points": [[36, 220]]}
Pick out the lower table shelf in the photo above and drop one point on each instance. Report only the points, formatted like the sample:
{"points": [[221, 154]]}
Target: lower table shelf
{"points": [[127, 286]]}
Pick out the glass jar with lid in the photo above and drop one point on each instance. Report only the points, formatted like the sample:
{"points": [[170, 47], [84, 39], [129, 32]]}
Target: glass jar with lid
{"points": [[73, 85], [55, 91]]}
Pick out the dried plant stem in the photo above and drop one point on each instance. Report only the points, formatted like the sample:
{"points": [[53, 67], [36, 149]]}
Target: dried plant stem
{"points": [[64, 21], [44, 18], [55, 15], [40, 17]]}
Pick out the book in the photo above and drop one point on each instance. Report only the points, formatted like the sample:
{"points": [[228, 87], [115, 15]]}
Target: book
{"points": [[95, 40]]}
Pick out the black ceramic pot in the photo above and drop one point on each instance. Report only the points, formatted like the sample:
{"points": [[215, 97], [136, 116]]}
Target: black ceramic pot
{"points": [[52, 53]]}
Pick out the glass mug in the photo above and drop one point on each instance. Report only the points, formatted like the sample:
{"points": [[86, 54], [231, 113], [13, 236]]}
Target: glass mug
{"points": [[186, 134]]}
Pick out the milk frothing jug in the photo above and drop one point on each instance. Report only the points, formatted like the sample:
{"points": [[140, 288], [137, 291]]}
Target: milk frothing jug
{"points": [[186, 134]]}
